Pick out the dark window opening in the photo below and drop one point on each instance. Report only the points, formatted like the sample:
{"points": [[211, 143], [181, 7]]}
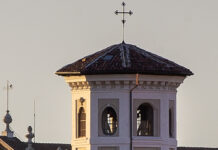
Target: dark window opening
{"points": [[170, 123], [81, 123], [109, 121], [145, 118]]}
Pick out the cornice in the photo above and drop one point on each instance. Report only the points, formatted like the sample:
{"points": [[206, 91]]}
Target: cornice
{"points": [[124, 84]]}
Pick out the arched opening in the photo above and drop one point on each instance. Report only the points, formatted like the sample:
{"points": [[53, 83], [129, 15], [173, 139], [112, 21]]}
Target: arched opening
{"points": [[81, 123], [109, 121], [145, 118], [170, 123]]}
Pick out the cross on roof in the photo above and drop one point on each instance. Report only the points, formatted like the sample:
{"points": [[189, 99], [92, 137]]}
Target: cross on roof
{"points": [[123, 13]]}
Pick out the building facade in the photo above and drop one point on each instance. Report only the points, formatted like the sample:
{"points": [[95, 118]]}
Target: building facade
{"points": [[124, 98]]}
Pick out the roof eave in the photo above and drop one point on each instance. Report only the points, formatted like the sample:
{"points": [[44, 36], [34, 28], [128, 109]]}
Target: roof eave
{"points": [[102, 73], [67, 73]]}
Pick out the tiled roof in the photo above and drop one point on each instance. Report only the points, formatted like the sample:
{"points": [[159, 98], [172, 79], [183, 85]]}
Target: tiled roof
{"points": [[16, 144], [123, 59]]}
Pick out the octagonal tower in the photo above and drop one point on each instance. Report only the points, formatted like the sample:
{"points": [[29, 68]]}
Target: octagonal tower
{"points": [[124, 98]]}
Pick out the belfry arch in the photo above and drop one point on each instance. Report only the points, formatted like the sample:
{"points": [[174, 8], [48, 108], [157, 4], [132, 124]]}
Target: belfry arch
{"points": [[109, 121], [145, 120]]}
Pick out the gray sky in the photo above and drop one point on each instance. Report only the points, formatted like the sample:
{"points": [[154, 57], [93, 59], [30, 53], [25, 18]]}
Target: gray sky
{"points": [[39, 37]]}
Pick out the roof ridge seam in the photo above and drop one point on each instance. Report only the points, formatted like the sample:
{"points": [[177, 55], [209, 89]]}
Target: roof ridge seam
{"points": [[122, 56], [128, 55]]}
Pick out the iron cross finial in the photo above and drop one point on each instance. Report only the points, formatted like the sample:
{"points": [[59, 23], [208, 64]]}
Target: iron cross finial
{"points": [[123, 13]]}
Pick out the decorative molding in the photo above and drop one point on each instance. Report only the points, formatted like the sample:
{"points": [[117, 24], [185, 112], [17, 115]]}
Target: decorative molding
{"points": [[124, 84], [82, 100]]}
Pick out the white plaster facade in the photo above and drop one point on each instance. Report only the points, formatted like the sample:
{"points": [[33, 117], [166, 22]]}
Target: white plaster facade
{"points": [[159, 91]]}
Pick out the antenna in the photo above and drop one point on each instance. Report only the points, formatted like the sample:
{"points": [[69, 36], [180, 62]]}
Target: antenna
{"points": [[8, 119], [9, 86], [34, 120], [7, 94]]}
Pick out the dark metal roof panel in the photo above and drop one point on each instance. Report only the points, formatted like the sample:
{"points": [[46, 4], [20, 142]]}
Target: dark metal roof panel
{"points": [[123, 59]]}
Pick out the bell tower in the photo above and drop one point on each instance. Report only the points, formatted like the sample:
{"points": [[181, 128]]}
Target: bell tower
{"points": [[124, 98]]}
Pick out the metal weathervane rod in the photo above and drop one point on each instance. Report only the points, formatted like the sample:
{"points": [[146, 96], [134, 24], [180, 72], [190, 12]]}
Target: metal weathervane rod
{"points": [[123, 15], [9, 86], [34, 121]]}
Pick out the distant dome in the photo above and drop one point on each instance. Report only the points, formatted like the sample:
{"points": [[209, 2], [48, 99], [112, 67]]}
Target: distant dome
{"points": [[123, 59]]}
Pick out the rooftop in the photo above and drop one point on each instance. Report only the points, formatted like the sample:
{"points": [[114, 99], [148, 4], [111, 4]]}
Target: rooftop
{"points": [[123, 59], [17, 144]]}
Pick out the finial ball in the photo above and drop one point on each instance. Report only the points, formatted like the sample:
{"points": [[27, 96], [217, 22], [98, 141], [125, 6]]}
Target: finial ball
{"points": [[130, 12], [30, 129], [7, 118], [116, 12]]}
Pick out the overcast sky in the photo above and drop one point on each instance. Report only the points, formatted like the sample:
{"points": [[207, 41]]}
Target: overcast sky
{"points": [[39, 37]]}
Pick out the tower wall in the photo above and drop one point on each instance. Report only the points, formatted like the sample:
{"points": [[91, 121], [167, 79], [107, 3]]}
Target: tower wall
{"points": [[102, 91]]}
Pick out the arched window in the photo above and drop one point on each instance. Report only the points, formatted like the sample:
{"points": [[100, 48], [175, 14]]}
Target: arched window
{"points": [[145, 117], [170, 123], [81, 123], [109, 121]]}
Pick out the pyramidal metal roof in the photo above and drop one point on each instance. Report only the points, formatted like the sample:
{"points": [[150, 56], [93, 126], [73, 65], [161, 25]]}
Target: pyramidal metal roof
{"points": [[123, 59]]}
